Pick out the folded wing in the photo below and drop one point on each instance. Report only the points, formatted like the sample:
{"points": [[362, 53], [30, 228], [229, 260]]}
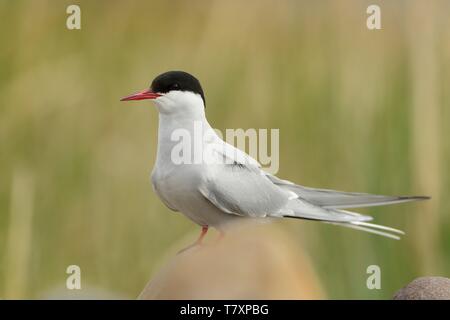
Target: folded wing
{"points": [[332, 199], [240, 187]]}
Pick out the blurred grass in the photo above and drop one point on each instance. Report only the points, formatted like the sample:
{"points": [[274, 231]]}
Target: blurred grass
{"points": [[358, 110]]}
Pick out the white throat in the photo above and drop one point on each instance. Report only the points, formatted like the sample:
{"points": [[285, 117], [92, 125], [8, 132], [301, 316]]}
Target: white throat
{"points": [[180, 112]]}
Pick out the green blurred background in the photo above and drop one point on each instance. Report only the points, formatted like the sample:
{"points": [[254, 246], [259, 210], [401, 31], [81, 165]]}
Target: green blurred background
{"points": [[357, 110]]}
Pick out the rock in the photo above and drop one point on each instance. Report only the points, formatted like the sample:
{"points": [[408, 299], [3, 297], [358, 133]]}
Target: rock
{"points": [[425, 288], [253, 262]]}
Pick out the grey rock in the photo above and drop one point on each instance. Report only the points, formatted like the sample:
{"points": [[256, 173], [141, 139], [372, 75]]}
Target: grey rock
{"points": [[425, 288]]}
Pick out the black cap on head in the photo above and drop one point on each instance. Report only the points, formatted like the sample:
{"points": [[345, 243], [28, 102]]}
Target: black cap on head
{"points": [[177, 80]]}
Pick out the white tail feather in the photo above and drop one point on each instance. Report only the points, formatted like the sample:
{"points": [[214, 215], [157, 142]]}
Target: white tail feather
{"points": [[371, 228]]}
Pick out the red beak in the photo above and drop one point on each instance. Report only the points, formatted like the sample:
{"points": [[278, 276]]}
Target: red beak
{"points": [[146, 94]]}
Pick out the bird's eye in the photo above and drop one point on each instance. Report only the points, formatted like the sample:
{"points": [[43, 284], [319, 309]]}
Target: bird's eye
{"points": [[175, 86]]}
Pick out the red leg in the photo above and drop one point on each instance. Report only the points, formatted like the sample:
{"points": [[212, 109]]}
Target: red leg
{"points": [[199, 240], [202, 235]]}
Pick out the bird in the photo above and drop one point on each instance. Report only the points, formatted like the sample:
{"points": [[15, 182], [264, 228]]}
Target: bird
{"points": [[227, 186]]}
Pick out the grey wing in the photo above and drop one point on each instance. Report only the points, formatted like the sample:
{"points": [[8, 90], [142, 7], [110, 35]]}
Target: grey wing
{"points": [[243, 190], [332, 199], [246, 190]]}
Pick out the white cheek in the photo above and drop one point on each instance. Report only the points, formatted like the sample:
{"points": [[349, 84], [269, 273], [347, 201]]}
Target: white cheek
{"points": [[175, 101], [164, 104]]}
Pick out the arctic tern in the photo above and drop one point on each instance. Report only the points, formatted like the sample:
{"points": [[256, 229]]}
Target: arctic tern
{"points": [[216, 193]]}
